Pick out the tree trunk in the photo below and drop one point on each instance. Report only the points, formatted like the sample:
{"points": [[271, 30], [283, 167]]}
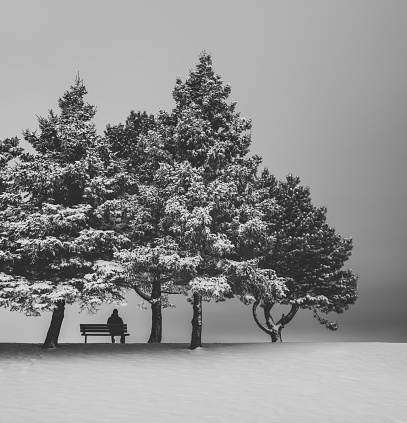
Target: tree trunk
{"points": [[51, 341], [285, 319], [156, 316], [196, 322], [275, 336], [275, 330]]}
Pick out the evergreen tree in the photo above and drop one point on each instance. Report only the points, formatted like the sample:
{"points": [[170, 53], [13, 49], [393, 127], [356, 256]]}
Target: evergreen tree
{"points": [[56, 221], [154, 265], [147, 264], [305, 251], [208, 141]]}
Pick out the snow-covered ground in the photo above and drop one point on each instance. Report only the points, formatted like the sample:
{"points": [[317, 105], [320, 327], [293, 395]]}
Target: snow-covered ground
{"points": [[259, 382]]}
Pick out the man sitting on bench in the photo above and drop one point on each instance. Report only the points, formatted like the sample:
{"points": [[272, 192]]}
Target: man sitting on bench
{"points": [[114, 319]]}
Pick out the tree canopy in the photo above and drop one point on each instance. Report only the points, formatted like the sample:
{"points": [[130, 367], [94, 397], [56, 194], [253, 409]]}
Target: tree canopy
{"points": [[306, 251]]}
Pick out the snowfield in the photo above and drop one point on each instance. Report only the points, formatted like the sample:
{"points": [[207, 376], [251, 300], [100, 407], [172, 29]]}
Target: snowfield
{"points": [[258, 382]]}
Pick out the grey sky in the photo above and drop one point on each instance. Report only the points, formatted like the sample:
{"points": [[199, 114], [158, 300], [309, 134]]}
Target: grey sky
{"points": [[324, 81]]}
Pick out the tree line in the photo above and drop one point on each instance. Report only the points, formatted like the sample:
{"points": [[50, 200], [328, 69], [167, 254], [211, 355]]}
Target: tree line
{"points": [[163, 204]]}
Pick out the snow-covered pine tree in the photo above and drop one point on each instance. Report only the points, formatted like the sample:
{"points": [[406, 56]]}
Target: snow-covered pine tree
{"points": [[152, 264], [306, 252], [208, 211], [58, 214]]}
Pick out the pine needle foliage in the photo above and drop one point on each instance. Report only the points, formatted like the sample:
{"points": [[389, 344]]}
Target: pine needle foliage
{"points": [[55, 230]]}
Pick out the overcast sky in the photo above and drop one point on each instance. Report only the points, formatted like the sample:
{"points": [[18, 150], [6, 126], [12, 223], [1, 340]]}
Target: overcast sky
{"points": [[324, 82]]}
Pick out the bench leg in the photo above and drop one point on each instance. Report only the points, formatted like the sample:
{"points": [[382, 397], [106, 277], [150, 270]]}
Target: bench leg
{"points": [[86, 339]]}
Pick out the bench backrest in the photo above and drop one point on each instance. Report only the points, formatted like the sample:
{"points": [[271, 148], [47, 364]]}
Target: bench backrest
{"points": [[101, 327]]}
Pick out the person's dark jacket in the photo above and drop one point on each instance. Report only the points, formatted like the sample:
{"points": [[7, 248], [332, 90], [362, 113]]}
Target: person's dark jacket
{"points": [[114, 319]]}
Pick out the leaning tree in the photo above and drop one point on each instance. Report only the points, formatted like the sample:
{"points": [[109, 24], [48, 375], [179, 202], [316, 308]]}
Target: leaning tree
{"points": [[56, 217], [305, 251]]}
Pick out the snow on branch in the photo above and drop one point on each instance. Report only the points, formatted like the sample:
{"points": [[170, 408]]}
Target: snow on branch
{"points": [[251, 282], [208, 288]]}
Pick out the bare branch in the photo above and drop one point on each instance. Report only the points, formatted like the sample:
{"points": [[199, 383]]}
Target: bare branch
{"points": [[255, 305], [267, 314], [143, 295], [287, 319]]}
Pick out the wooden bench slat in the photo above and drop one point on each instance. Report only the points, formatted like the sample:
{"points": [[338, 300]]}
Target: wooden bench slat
{"points": [[105, 331], [102, 329], [102, 334], [99, 325], [105, 325], [106, 328]]}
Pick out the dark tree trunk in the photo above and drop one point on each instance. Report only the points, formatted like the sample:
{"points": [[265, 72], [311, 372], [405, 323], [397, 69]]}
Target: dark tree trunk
{"points": [[276, 328], [285, 319], [51, 341], [275, 336], [275, 333], [156, 316], [273, 329], [196, 322]]}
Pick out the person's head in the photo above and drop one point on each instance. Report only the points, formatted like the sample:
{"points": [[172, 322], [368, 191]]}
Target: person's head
{"points": [[115, 312]]}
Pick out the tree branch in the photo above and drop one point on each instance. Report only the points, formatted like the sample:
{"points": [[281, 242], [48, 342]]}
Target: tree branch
{"points": [[267, 314], [287, 319], [329, 325], [171, 292], [143, 295], [256, 319]]}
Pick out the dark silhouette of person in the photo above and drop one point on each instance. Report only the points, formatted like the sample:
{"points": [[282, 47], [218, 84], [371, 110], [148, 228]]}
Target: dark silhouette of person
{"points": [[115, 319]]}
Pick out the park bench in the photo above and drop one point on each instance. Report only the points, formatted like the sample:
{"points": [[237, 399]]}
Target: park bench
{"points": [[102, 329]]}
